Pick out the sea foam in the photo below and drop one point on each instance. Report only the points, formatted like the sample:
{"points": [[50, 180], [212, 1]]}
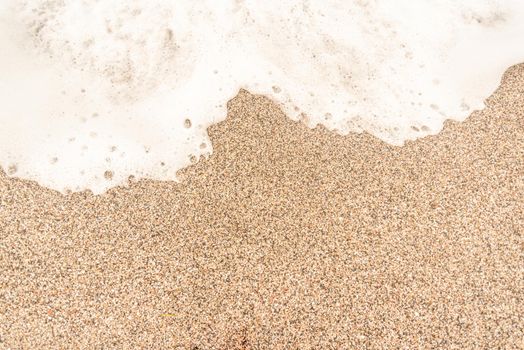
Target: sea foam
{"points": [[92, 92]]}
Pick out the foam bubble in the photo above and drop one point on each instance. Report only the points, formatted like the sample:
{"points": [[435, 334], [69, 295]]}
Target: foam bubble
{"points": [[93, 92]]}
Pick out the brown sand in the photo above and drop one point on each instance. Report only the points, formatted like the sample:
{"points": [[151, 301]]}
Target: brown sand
{"points": [[285, 238]]}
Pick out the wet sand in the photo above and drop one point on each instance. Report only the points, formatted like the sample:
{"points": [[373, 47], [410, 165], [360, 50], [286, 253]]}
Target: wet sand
{"points": [[285, 238]]}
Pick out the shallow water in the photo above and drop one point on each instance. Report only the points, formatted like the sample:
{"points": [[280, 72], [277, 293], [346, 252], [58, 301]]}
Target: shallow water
{"points": [[93, 92]]}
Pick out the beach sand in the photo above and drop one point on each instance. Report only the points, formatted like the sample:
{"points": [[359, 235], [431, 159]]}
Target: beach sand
{"points": [[285, 238]]}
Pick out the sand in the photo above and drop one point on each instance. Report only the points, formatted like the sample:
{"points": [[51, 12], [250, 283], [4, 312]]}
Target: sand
{"points": [[285, 238]]}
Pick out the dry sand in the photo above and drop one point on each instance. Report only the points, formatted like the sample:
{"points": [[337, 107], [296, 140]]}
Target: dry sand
{"points": [[285, 238]]}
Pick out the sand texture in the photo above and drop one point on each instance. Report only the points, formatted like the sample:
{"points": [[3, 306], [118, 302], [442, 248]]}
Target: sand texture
{"points": [[285, 238]]}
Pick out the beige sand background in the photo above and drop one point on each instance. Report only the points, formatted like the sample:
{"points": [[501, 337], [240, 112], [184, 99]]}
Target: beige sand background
{"points": [[285, 238]]}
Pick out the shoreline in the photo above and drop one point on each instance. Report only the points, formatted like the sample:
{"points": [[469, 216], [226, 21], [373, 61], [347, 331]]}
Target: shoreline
{"points": [[284, 237]]}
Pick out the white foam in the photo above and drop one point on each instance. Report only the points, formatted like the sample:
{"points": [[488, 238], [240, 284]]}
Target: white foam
{"points": [[92, 92]]}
